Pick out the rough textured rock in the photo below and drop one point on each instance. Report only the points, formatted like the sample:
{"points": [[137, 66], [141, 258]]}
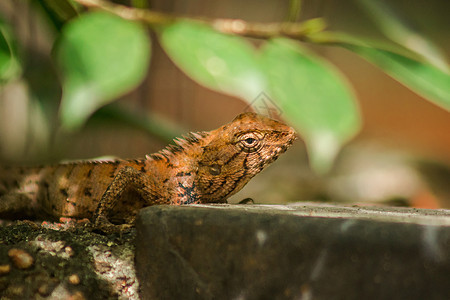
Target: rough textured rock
{"points": [[292, 252]]}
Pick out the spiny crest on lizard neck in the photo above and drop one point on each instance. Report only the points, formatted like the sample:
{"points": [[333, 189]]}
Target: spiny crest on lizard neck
{"points": [[182, 144]]}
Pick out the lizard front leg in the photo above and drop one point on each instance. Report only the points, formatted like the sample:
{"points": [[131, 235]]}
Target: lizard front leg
{"points": [[127, 177]]}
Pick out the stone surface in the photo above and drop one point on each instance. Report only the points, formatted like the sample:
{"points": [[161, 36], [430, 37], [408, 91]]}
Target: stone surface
{"points": [[20, 258], [304, 251]]}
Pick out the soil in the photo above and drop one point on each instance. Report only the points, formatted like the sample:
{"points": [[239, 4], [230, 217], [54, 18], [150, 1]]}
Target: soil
{"points": [[51, 260]]}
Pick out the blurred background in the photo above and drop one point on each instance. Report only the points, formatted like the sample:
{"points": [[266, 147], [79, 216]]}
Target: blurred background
{"points": [[401, 156]]}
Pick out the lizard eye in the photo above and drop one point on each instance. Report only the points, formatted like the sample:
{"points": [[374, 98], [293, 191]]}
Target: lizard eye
{"points": [[250, 140]]}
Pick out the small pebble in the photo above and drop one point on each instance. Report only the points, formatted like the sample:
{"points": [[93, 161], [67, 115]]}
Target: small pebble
{"points": [[77, 296], [68, 250], [74, 279], [4, 269], [20, 258], [44, 290]]}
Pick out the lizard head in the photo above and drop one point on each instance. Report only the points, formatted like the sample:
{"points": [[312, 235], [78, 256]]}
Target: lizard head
{"points": [[237, 151]]}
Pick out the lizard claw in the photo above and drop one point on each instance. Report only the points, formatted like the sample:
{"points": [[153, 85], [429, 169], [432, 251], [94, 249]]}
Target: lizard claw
{"points": [[247, 201]]}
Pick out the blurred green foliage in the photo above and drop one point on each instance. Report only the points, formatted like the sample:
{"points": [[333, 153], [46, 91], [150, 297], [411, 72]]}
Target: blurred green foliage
{"points": [[224, 63], [102, 56], [314, 96], [9, 63]]}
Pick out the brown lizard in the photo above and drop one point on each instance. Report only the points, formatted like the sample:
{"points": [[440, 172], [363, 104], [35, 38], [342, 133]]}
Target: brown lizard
{"points": [[203, 167]]}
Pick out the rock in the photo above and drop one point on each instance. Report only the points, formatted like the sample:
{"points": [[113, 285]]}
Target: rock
{"points": [[44, 289], [74, 279], [69, 251], [5, 269], [63, 292], [305, 251], [20, 258]]}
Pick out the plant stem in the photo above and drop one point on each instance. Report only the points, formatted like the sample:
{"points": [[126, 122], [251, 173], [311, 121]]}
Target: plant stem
{"points": [[239, 27]]}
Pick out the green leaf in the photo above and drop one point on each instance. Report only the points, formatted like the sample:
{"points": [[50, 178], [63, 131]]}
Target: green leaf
{"points": [[424, 79], [314, 96], [395, 27], [430, 82], [220, 62], [9, 63], [102, 57]]}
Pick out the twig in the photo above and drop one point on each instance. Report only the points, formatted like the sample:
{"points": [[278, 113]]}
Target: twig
{"points": [[230, 26]]}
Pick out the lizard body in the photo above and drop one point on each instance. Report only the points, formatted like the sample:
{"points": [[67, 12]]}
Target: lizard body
{"points": [[204, 167]]}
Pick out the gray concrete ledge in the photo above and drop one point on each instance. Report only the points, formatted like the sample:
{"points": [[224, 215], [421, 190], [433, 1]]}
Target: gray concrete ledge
{"points": [[298, 251], [438, 217]]}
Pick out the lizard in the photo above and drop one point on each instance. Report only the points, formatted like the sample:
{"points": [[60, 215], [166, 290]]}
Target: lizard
{"points": [[202, 167]]}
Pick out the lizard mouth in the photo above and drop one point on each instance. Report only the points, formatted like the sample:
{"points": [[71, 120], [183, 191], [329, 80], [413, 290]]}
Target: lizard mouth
{"points": [[289, 139], [292, 135]]}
